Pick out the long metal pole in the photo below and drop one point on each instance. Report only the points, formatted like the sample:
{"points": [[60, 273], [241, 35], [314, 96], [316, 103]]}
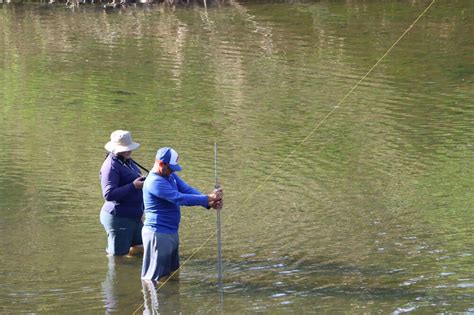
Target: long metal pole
{"points": [[218, 233], [218, 223]]}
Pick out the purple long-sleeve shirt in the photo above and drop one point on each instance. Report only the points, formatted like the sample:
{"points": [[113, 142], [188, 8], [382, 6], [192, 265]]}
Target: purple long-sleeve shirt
{"points": [[121, 197]]}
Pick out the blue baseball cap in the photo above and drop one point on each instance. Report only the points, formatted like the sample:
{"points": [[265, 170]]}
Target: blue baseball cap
{"points": [[170, 157]]}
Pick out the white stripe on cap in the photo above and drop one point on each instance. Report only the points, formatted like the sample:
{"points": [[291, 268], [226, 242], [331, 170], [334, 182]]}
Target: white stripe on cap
{"points": [[174, 157]]}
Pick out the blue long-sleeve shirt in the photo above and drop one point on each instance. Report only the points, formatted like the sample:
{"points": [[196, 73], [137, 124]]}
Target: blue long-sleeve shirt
{"points": [[163, 196], [121, 197]]}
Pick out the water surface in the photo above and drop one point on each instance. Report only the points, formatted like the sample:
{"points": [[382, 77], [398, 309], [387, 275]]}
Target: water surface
{"points": [[372, 213]]}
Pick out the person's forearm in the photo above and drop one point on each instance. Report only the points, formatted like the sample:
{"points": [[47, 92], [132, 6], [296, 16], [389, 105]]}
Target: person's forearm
{"points": [[194, 200]]}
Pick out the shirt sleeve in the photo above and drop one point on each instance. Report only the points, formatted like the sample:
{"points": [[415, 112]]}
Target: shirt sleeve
{"points": [[111, 191], [188, 197], [183, 187]]}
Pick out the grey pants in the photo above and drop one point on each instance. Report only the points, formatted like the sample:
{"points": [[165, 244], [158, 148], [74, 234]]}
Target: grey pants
{"points": [[160, 254]]}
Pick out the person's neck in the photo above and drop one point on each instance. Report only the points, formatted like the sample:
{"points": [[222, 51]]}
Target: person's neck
{"points": [[121, 158]]}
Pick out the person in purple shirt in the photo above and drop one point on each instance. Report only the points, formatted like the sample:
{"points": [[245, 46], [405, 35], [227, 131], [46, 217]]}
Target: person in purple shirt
{"points": [[122, 183], [164, 193]]}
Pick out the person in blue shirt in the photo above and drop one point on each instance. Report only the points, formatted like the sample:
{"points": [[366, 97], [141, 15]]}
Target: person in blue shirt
{"points": [[121, 183], [164, 192]]}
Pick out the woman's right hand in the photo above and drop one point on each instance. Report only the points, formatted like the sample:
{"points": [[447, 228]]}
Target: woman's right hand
{"points": [[138, 183]]}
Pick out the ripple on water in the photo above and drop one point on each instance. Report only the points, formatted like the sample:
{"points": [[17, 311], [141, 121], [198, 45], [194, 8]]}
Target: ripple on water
{"points": [[258, 78]]}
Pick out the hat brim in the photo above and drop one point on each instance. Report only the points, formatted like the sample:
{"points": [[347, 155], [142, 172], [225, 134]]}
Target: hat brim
{"points": [[175, 168], [113, 148]]}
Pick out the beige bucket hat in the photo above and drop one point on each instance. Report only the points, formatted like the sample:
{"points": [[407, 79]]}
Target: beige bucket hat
{"points": [[121, 141]]}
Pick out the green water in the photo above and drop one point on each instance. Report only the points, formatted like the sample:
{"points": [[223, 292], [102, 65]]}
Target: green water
{"points": [[372, 213]]}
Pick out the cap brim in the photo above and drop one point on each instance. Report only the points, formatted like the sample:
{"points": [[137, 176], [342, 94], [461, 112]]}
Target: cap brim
{"points": [[175, 168]]}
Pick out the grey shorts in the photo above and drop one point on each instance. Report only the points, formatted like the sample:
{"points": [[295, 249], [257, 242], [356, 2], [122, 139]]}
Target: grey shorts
{"points": [[160, 254]]}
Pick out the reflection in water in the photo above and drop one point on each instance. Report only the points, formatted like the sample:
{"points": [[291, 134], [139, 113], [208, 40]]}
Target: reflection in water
{"points": [[110, 298], [220, 291], [121, 282], [161, 300], [372, 215]]}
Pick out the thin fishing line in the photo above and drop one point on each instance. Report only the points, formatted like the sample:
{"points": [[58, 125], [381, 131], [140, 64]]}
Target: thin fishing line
{"points": [[184, 263], [299, 145], [332, 111]]}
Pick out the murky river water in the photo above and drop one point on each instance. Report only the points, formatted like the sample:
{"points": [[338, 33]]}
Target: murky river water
{"points": [[372, 214]]}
